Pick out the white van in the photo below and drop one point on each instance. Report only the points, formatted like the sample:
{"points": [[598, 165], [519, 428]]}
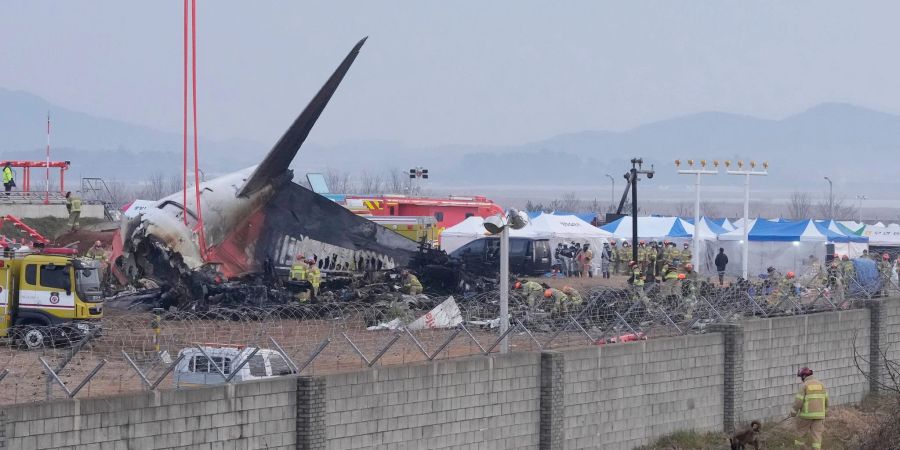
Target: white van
{"points": [[196, 369]]}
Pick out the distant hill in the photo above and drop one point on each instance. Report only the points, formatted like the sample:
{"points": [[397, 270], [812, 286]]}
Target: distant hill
{"points": [[846, 142], [104, 146]]}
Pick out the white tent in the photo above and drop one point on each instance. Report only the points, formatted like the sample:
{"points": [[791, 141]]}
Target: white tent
{"points": [[786, 246], [473, 228], [655, 228], [565, 229], [883, 236]]}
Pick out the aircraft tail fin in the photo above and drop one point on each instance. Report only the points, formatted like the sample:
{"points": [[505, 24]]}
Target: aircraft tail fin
{"points": [[279, 158]]}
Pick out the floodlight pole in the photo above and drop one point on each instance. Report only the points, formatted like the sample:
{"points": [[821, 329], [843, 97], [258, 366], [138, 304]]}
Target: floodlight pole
{"points": [[504, 287], [745, 250], [695, 243]]}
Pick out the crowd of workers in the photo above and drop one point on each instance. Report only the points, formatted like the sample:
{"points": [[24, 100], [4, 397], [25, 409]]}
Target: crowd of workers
{"points": [[574, 260]]}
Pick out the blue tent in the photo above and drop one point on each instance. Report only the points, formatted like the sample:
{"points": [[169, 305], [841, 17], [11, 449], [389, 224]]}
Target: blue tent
{"points": [[649, 228]]}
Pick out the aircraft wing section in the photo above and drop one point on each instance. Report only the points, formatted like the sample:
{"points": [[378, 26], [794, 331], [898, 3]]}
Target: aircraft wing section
{"points": [[284, 151]]}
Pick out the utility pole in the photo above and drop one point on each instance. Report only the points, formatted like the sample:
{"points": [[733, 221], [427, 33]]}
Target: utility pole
{"points": [[830, 199], [860, 198], [632, 175], [612, 193], [745, 250], [702, 170]]}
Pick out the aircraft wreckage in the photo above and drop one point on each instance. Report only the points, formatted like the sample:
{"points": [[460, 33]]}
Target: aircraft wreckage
{"points": [[255, 219]]}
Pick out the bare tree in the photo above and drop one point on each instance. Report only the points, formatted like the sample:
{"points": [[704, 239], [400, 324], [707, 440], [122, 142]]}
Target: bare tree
{"points": [[683, 209], [800, 205], [397, 181], [371, 183], [840, 209], [339, 181], [153, 188], [709, 209]]}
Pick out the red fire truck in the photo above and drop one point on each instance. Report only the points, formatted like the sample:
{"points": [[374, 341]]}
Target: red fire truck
{"points": [[447, 211]]}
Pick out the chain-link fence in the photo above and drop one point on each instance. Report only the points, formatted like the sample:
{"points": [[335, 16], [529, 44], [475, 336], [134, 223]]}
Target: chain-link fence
{"points": [[135, 351]]}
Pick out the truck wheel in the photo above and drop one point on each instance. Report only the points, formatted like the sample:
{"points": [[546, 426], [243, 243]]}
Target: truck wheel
{"points": [[32, 337]]}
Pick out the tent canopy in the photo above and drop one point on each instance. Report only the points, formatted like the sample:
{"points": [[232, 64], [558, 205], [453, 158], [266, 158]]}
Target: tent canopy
{"points": [[649, 228], [765, 230]]}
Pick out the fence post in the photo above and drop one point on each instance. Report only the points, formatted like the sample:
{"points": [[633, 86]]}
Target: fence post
{"points": [[310, 413], [552, 413], [877, 338], [733, 397]]}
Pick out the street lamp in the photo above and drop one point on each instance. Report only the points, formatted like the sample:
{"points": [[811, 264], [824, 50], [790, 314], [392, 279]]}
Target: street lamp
{"points": [[702, 170], [861, 198], [830, 199], [612, 193], [745, 255], [499, 225]]}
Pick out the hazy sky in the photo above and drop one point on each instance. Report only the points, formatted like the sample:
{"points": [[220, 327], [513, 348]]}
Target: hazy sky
{"points": [[439, 72]]}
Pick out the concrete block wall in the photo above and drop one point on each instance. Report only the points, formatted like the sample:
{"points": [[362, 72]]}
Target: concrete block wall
{"points": [[259, 414], [470, 403], [890, 317], [622, 396], [775, 348]]}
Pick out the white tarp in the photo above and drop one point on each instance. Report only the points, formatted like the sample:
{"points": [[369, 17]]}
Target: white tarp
{"points": [[445, 315], [883, 236]]}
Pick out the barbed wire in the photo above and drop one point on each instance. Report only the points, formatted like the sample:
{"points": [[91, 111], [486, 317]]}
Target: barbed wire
{"points": [[133, 351]]}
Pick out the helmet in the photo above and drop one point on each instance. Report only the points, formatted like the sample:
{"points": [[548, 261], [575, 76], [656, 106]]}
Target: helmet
{"points": [[518, 285], [681, 276], [626, 244], [885, 256], [845, 258], [568, 289], [804, 372], [613, 243], [98, 243], [632, 263], [642, 243], [301, 258], [790, 274], [548, 293], [687, 244], [689, 266], [770, 269]]}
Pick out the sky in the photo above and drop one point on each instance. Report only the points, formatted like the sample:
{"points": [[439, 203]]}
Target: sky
{"points": [[503, 72]]}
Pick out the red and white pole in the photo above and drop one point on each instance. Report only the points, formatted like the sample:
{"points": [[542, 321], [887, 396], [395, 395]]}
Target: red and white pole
{"points": [[47, 198]]}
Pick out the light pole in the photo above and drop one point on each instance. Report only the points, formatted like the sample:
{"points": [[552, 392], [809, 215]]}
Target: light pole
{"points": [[745, 251], [702, 170], [830, 199], [501, 225], [612, 193], [861, 198], [420, 173]]}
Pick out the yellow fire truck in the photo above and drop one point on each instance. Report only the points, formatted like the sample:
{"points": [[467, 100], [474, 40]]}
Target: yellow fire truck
{"points": [[48, 297]]}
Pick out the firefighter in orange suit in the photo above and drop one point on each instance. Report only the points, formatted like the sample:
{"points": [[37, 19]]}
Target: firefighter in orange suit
{"points": [[809, 409]]}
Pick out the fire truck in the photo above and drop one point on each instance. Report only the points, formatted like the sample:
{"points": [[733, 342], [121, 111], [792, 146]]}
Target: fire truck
{"points": [[48, 296], [447, 211]]}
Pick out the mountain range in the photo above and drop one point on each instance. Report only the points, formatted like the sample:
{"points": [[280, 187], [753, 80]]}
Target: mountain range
{"points": [[854, 146]]}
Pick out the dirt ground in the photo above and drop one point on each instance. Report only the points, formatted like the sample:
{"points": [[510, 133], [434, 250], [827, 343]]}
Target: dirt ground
{"points": [[845, 426]]}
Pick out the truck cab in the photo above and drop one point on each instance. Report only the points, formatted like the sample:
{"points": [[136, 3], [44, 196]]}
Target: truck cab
{"points": [[48, 295], [197, 368]]}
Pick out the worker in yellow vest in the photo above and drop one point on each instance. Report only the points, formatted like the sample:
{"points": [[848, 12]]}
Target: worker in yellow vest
{"points": [[73, 205], [810, 405], [97, 252], [532, 290], [314, 275], [9, 180], [298, 269], [411, 284]]}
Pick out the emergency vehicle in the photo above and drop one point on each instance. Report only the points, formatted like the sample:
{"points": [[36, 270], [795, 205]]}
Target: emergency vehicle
{"points": [[447, 211], [48, 295]]}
